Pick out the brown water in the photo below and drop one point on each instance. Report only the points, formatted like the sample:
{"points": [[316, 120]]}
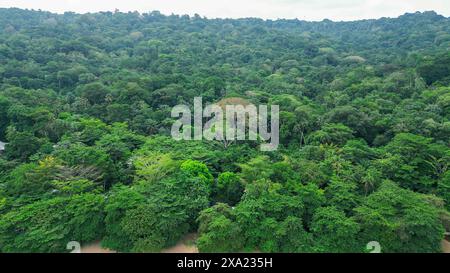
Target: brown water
{"points": [[95, 248], [445, 246], [186, 245]]}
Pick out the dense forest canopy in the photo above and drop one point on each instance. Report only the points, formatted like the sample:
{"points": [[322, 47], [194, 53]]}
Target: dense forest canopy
{"points": [[85, 103]]}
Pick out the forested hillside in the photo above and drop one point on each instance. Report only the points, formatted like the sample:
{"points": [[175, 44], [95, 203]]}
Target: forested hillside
{"points": [[85, 110]]}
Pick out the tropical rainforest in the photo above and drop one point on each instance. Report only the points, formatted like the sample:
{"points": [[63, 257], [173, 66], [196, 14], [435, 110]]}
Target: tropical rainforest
{"points": [[85, 115]]}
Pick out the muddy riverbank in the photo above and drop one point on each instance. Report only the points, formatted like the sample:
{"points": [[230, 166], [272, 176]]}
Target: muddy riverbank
{"points": [[186, 245]]}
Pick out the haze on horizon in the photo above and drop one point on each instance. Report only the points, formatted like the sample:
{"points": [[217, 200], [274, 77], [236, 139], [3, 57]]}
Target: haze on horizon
{"points": [[311, 10]]}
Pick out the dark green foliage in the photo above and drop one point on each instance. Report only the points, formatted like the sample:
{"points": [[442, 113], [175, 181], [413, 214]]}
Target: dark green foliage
{"points": [[120, 200], [228, 188], [218, 230], [48, 225], [436, 69], [85, 111], [151, 216], [401, 220], [330, 134], [263, 212], [335, 232]]}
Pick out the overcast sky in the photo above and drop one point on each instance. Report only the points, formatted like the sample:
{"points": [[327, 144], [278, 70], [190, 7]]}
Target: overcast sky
{"points": [[267, 9]]}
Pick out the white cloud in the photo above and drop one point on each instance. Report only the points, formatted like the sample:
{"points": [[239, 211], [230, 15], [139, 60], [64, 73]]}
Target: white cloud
{"points": [[267, 9]]}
